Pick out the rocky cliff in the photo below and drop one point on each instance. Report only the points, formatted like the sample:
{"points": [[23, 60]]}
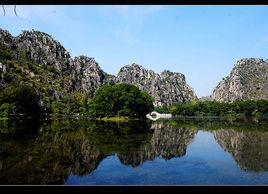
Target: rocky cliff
{"points": [[248, 80], [87, 75], [43, 49], [166, 88], [45, 63]]}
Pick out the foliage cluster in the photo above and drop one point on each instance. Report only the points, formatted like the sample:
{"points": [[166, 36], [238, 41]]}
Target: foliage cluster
{"points": [[238, 108], [120, 100], [19, 99]]}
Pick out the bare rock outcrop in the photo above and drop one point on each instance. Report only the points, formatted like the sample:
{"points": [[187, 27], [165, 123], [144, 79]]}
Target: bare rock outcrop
{"points": [[166, 88], [248, 80]]}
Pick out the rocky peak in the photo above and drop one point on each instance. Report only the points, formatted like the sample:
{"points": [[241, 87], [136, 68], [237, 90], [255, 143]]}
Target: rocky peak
{"points": [[248, 80], [167, 73], [43, 49], [138, 73], [88, 74], [83, 63], [173, 76], [166, 88]]}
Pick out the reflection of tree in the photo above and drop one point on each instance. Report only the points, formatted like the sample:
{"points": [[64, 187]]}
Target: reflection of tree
{"points": [[168, 141], [46, 160], [18, 126], [48, 154], [249, 148], [63, 148], [77, 147]]}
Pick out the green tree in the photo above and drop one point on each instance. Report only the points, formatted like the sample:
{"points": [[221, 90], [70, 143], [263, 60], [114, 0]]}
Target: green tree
{"points": [[71, 104], [20, 98], [120, 100]]}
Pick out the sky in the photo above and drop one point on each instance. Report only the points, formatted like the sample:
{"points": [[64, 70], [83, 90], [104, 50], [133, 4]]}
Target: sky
{"points": [[202, 42]]}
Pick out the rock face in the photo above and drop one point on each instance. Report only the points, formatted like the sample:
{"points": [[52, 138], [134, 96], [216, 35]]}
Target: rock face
{"points": [[248, 80], [2, 71], [40, 47], [249, 149], [61, 74], [166, 88], [205, 98], [88, 76], [43, 49]]}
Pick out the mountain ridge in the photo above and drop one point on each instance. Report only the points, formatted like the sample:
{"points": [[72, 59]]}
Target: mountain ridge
{"points": [[83, 73]]}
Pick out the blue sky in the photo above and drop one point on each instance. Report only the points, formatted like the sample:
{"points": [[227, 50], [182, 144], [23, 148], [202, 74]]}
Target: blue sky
{"points": [[202, 42]]}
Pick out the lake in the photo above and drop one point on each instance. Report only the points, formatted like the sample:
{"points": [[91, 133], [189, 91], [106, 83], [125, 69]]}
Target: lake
{"points": [[163, 152]]}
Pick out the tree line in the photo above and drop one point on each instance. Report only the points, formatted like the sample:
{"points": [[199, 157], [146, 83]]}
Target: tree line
{"points": [[238, 108], [118, 100]]}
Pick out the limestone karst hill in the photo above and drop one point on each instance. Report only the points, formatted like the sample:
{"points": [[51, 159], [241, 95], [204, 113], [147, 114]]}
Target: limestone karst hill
{"points": [[248, 80], [37, 58]]}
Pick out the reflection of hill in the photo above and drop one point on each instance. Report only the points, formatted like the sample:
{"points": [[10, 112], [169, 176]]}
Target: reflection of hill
{"points": [[167, 141], [49, 154], [249, 149], [77, 147]]}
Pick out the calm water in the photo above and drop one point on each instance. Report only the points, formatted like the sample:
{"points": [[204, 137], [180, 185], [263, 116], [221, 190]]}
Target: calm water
{"points": [[167, 152]]}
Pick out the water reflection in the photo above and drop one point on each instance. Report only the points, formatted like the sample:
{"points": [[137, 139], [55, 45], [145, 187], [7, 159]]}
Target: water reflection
{"points": [[47, 153], [249, 148], [167, 141]]}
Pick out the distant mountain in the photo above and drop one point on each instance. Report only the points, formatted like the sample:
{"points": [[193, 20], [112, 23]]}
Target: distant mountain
{"points": [[35, 57], [248, 80]]}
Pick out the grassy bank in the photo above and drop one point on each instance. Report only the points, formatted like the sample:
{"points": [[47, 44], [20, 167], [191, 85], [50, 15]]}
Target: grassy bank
{"points": [[114, 119]]}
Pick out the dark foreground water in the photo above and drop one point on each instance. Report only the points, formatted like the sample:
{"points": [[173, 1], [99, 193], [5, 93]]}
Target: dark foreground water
{"points": [[169, 152]]}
